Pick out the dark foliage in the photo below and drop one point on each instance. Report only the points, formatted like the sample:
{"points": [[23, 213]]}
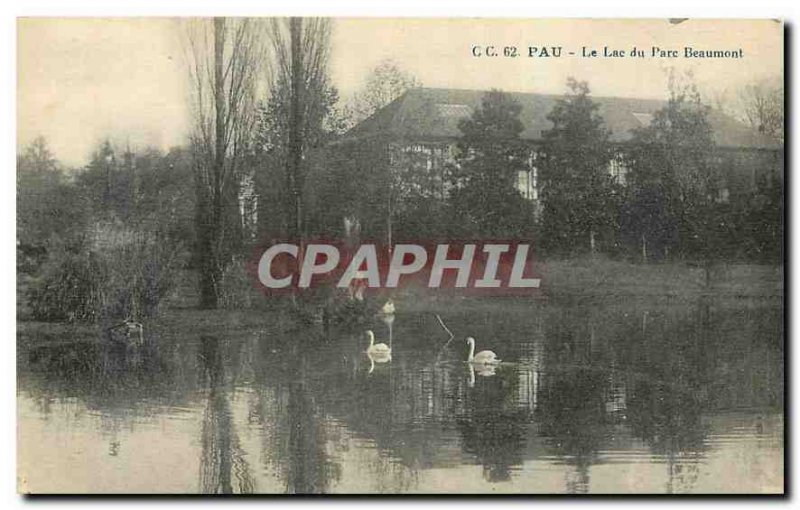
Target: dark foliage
{"points": [[579, 195], [484, 198]]}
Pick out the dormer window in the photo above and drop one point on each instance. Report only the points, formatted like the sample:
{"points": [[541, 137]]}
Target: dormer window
{"points": [[456, 111], [644, 118]]}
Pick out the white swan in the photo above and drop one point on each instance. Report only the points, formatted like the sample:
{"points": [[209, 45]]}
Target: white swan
{"points": [[388, 307], [483, 357], [377, 349]]}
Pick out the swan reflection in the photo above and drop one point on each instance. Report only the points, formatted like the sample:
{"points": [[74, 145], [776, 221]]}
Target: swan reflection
{"points": [[481, 370], [378, 357]]}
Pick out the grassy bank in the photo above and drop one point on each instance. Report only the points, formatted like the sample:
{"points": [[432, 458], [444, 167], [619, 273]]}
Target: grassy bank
{"points": [[591, 280], [600, 280], [600, 277]]}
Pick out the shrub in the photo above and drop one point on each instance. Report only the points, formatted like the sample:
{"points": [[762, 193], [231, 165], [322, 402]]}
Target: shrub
{"points": [[108, 278], [140, 274], [70, 287]]}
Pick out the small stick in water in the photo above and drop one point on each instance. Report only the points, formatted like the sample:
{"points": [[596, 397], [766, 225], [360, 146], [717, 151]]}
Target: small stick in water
{"points": [[441, 350], [445, 327]]}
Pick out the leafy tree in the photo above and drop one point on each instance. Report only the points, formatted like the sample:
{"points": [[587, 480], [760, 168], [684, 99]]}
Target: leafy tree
{"points": [[675, 183], [96, 179], [293, 123], [416, 193], [36, 163], [761, 224], [225, 58], [48, 205], [394, 192], [277, 207], [386, 82], [362, 183], [164, 195], [580, 197], [484, 197], [108, 182], [762, 106]]}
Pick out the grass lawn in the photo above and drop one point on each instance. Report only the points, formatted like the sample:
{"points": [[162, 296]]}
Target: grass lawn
{"points": [[600, 277]]}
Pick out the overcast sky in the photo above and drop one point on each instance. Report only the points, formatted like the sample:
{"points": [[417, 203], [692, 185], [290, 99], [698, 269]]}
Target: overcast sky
{"points": [[81, 80]]}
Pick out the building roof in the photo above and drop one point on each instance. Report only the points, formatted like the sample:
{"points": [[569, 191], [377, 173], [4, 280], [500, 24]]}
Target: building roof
{"points": [[430, 114]]}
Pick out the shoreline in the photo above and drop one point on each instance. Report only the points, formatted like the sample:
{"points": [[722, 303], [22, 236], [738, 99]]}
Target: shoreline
{"points": [[585, 282]]}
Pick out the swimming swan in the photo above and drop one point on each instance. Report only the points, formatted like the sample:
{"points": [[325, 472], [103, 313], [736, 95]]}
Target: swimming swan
{"points": [[483, 357], [377, 349]]}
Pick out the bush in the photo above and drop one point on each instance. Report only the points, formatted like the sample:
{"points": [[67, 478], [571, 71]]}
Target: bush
{"points": [[70, 287], [105, 281], [140, 275]]}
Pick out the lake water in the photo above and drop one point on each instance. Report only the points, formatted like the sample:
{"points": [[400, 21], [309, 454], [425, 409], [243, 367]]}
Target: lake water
{"points": [[630, 398]]}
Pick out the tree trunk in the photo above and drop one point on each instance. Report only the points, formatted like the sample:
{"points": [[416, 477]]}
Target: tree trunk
{"points": [[644, 249], [209, 274], [295, 129], [211, 237]]}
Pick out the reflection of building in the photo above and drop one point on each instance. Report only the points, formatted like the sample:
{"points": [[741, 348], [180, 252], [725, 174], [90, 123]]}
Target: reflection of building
{"points": [[616, 394], [529, 377], [424, 122]]}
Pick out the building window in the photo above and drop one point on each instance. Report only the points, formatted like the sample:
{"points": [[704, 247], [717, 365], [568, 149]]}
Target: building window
{"points": [[454, 111], [524, 183], [527, 185], [617, 170], [527, 180]]}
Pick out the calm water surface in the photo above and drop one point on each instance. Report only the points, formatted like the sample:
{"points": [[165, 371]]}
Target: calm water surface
{"points": [[589, 399]]}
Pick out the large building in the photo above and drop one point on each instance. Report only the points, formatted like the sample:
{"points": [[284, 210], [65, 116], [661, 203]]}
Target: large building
{"points": [[424, 121]]}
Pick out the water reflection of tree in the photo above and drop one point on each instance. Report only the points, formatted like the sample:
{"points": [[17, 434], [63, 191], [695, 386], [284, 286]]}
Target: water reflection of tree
{"points": [[309, 470], [669, 368], [589, 374], [117, 383], [383, 408], [406, 408], [493, 426], [574, 391], [667, 396], [110, 377], [223, 469], [294, 439], [403, 407], [571, 415]]}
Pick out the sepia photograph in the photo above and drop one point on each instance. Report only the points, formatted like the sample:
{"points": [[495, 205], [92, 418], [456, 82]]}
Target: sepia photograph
{"points": [[390, 256]]}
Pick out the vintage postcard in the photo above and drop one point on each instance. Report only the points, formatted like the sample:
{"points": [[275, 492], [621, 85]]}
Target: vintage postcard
{"points": [[400, 256]]}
